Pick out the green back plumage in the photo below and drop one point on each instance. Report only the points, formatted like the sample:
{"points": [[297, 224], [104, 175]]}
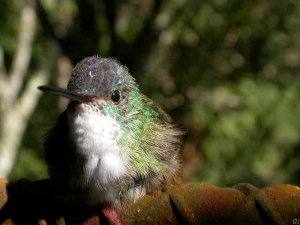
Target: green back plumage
{"points": [[150, 139]]}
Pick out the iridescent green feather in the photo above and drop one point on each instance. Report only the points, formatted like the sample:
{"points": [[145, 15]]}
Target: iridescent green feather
{"points": [[140, 132], [144, 124]]}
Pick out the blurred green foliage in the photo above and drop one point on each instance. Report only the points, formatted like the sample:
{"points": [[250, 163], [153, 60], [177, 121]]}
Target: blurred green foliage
{"points": [[228, 71]]}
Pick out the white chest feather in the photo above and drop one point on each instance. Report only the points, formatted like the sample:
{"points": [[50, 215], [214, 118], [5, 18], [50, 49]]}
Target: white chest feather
{"points": [[105, 163]]}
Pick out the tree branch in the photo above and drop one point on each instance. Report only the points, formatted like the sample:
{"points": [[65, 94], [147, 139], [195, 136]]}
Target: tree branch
{"points": [[15, 120], [2, 66], [3, 80], [17, 98], [22, 56]]}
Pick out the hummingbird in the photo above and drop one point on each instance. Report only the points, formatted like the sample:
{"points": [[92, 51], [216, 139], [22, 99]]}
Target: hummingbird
{"points": [[112, 144]]}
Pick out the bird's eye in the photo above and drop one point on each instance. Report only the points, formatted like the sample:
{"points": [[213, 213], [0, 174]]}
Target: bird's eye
{"points": [[115, 97]]}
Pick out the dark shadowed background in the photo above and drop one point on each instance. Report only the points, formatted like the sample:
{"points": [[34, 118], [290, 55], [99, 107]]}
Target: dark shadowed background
{"points": [[227, 71]]}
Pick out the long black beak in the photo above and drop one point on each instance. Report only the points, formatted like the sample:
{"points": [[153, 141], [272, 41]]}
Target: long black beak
{"points": [[66, 93]]}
